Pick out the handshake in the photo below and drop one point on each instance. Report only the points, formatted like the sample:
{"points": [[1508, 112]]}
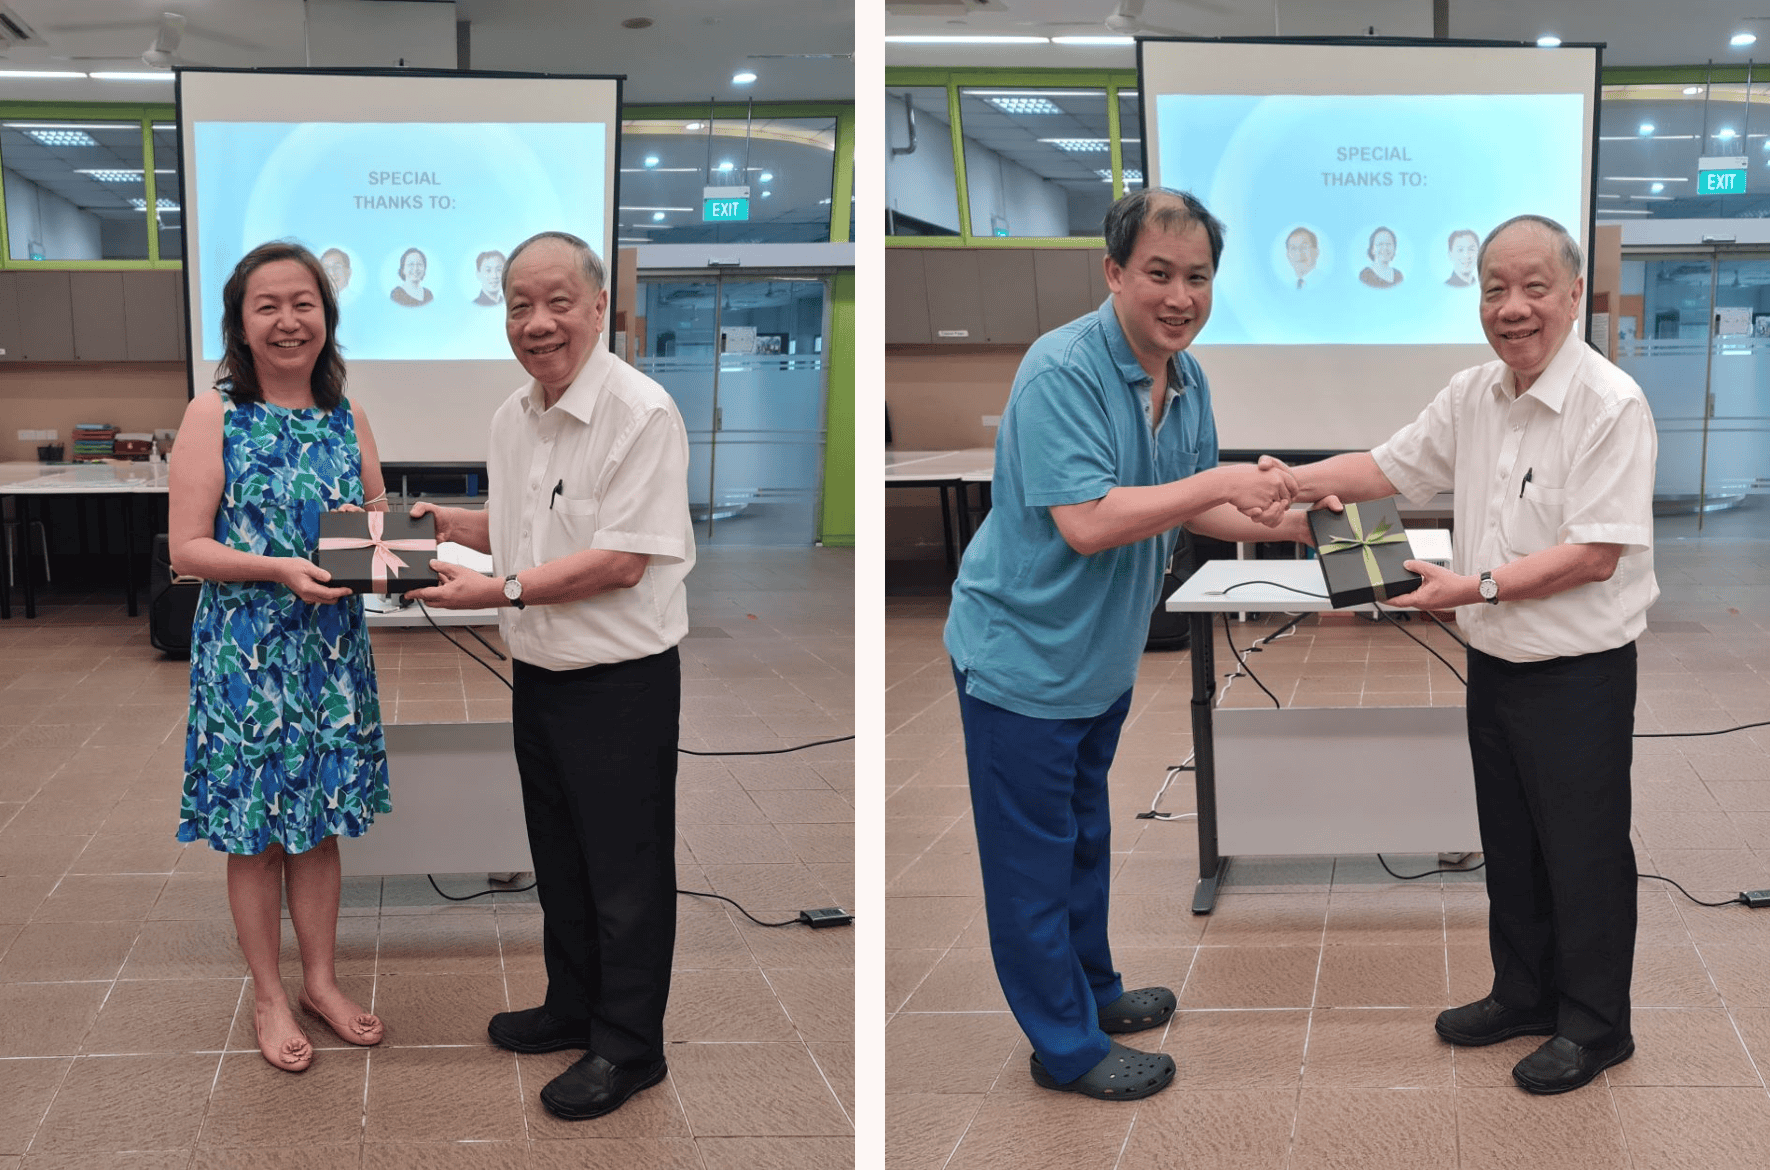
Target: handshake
{"points": [[1264, 491]]}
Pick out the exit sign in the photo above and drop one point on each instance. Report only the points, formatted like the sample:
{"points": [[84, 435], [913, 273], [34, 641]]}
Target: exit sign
{"points": [[725, 204], [1720, 176]]}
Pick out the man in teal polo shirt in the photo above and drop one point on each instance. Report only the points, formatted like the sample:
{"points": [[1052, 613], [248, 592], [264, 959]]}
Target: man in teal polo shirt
{"points": [[1107, 446]]}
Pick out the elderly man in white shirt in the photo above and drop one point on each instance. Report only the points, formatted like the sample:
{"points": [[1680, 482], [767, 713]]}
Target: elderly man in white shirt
{"points": [[1550, 453], [590, 537]]}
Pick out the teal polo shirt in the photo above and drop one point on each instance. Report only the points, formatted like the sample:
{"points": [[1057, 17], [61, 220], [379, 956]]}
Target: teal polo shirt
{"points": [[1038, 628]]}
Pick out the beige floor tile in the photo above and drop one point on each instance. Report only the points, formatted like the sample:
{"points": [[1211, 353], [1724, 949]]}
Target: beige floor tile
{"points": [[1695, 1129], [1695, 1047], [68, 950], [165, 1015], [1382, 976], [133, 1160], [452, 1094], [185, 950], [1050, 1132], [835, 1060], [1252, 977], [26, 1089], [508, 1155], [947, 1052], [1264, 920], [111, 1103], [255, 1105], [1249, 1129], [422, 1009], [1376, 1048], [962, 980], [1233, 1049], [1504, 1129], [812, 1153], [1376, 1129], [101, 898], [716, 1006], [818, 1000], [747, 1090]]}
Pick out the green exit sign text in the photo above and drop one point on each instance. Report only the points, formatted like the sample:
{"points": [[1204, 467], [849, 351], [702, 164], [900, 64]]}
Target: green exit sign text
{"points": [[1720, 176], [725, 204]]}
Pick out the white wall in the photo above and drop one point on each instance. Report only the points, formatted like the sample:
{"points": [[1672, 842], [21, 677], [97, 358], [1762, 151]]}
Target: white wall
{"points": [[33, 213], [920, 184]]}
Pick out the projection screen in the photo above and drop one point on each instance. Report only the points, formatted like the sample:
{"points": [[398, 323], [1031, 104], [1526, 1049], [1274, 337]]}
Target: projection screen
{"points": [[404, 184], [1350, 177]]}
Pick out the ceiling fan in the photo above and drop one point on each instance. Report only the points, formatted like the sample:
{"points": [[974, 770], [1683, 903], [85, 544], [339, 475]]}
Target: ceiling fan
{"points": [[161, 53], [1126, 19]]}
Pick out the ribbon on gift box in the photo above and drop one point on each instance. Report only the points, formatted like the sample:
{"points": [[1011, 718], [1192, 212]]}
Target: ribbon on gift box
{"points": [[383, 560], [1382, 534]]}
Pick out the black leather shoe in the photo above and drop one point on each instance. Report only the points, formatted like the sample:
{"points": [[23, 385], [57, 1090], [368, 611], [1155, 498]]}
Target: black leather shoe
{"points": [[1560, 1064], [593, 1087], [1487, 1021], [537, 1030]]}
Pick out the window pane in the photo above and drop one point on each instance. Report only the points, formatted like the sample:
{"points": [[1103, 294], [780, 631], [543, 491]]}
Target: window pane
{"points": [[788, 164], [1651, 136], [74, 190], [1130, 139], [1037, 161], [170, 219], [921, 192]]}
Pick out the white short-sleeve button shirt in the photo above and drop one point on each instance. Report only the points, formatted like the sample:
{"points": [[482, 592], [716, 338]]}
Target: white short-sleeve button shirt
{"points": [[605, 468], [1568, 462]]}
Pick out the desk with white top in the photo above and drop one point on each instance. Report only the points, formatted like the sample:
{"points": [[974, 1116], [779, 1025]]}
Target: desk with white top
{"points": [[1315, 780], [27, 483], [946, 471]]}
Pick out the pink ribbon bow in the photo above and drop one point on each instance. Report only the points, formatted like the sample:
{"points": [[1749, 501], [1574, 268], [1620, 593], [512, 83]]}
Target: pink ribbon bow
{"points": [[382, 561]]}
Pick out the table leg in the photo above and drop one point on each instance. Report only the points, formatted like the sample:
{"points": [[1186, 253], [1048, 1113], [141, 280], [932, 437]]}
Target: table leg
{"points": [[946, 529], [128, 504], [964, 514], [6, 564], [24, 555], [1211, 866]]}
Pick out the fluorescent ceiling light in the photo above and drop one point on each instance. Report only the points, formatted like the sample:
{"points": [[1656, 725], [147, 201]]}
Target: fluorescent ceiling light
{"points": [[1692, 90], [1548, 41], [103, 175], [1742, 39], [1646, 179], [660, 170], [1131, 175], [743, 78], [624, 207], [1093, 40], [39, 74], [159, 204], [131, 76], [1026, 105], [63, 137], [1625, 211], [1079, 145], [985, 93], [967, 40], [1646, 128]]}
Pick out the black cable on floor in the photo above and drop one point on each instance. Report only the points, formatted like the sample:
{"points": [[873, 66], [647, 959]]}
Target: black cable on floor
{"points": [[770, 751], [531, 885], [1384, 614], [1684, 734], [1242, 665], [1411, 877], [1656, 877]]}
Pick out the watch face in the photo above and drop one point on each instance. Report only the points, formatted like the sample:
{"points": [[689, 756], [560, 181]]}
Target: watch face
{"points": [[512, 588], [1489, 587]]}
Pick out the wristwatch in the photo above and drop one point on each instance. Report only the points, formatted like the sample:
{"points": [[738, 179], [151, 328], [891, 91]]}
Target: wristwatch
{"points": [[513, 591], [1490, 589]]}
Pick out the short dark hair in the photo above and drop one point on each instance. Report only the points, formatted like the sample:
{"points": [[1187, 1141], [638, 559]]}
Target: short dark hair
{"points": [[1302, 231], [1370, 249], [1567, 250], [589, 261], [1165, 208], [238, 371], [1459, 234], [484, 256]]}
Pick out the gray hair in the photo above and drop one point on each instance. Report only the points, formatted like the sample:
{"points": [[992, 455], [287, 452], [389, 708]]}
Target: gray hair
{"points": [[588, 260], [1167, 209], [1566, 248]]}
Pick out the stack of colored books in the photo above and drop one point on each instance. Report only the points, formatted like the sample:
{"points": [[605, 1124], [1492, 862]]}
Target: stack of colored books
{"points": [[136, 446], [93, 440]]}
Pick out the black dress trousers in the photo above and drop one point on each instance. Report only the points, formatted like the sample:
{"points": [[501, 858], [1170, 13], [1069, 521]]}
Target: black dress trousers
{"points": [[1552, 744], [596, 750]]}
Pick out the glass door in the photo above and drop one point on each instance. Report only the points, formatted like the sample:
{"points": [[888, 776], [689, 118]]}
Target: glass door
{"points": [[744, 359], [1694, 330]]}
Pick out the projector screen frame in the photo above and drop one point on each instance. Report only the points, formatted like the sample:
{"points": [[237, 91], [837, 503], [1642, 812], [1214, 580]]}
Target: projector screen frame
{"points": [[607, 248], [1588, 226]]}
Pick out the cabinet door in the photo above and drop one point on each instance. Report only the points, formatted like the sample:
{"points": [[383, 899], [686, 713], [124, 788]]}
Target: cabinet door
{"points": [[1065, 291], [955, 297], [151, 304], [97, 299], [45, 317], [906, 297], [9, 347], [1010, 298]]}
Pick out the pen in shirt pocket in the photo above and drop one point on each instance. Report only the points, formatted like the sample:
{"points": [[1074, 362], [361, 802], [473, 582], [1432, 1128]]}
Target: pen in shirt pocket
{"points": [[1526, 480], [559, 490]]}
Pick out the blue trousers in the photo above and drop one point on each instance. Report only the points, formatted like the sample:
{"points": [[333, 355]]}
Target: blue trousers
{"points": [[1044, 839]]}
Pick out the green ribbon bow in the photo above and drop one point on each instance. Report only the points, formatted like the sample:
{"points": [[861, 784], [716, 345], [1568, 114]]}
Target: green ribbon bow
{"points": [[1383, 534]]}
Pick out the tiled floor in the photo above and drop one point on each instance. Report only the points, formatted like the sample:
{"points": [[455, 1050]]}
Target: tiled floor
{"points": [[125, 1012], [1304, 1037]]}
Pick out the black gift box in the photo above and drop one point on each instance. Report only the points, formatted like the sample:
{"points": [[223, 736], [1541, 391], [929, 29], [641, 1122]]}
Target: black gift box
{"points": [[1361, 551], [408, 540]]}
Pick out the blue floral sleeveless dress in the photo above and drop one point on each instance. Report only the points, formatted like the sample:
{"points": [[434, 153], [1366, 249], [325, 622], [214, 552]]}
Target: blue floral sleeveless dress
{"points": [[284, 743]]}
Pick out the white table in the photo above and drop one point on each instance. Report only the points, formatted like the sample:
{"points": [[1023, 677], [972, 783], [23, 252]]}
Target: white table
{"points": [[28, 482], [1314, 780], [946, 471]]}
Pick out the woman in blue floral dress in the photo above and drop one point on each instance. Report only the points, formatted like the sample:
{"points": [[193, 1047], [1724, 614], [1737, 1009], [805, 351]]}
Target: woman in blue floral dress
{"points": [[283, 751]]}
